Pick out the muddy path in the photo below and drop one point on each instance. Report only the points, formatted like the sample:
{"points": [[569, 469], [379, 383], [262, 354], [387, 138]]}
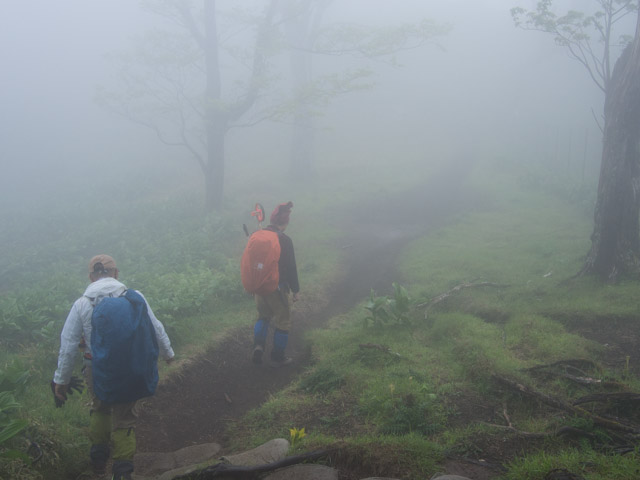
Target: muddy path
{"points": [[195, 405]]}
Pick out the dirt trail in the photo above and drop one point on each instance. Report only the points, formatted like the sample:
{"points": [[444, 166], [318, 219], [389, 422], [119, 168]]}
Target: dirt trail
{"points": [[195, 405]]}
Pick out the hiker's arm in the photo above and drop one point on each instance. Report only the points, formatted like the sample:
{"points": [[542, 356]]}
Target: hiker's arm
{"points": [[70, 337], [289, 264], [164, 343]]}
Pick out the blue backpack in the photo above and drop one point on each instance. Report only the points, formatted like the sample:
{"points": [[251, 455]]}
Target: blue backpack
{"points": [[124, 349]]}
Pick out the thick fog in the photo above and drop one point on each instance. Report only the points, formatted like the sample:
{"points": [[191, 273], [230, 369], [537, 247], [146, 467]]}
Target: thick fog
{"points": [[486, 88]]}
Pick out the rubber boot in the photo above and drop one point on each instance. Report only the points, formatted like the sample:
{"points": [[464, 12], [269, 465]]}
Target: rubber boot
{"points": [[100, 436], [122, 470], [99, 455], [280, 340], [124, 448], [259, 339]]}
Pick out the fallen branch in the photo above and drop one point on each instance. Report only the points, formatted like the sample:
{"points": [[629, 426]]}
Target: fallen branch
{"points": [[457, 288], [558, 404], [224, 470]]}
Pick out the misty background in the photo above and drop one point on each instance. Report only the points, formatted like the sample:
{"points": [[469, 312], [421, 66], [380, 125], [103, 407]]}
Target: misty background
{"points": [[486, 89]]}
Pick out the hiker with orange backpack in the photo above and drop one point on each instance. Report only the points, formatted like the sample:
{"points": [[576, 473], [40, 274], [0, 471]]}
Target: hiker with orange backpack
{"points": [[269, 272], [122, 339]]}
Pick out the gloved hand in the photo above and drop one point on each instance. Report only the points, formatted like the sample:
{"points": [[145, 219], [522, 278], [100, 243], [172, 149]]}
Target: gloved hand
{"points": [[58, 400], [75, 383]]}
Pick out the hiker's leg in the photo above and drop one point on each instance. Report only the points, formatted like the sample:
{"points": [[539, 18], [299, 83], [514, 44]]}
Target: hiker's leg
{"points": [[279, 303], [123, 423], [99, 426], [262, 324], [280, 340], [260, 329], [99, 436]]}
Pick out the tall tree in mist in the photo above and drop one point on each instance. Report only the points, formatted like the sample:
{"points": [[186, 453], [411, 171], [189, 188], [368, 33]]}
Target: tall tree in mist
{"points": [[308, 36], [615, 241], [173, 83]]}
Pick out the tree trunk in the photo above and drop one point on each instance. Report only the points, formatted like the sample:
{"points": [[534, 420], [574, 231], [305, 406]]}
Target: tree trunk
{"points": [[214, 173], [303, 134], [301, 28], [215, 126], [303, 144], [615, 247]]}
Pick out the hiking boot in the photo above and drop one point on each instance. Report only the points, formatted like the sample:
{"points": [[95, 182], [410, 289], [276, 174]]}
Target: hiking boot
{"points": [[281, 362], [122, 470], [99, 456], [99, 468], [256, 356]]}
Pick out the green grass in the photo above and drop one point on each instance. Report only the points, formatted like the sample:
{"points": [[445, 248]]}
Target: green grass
{"points": [[393, 412]]}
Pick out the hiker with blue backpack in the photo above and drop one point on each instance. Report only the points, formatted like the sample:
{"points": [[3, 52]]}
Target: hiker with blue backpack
{"points": [[122, 340], [269, 271]]}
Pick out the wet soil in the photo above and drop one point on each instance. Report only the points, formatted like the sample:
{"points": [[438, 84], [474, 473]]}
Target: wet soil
{"points": [[195, 406]]}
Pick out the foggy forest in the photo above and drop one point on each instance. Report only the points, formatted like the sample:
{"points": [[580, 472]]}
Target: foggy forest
{"points": [[458, 180]]}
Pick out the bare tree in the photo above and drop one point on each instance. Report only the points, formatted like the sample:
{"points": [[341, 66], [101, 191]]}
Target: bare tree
{"points": [[589, 39], [173, 84]]}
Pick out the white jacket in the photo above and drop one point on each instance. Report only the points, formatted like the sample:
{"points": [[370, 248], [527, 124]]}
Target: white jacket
{"points": [[78, 325]]}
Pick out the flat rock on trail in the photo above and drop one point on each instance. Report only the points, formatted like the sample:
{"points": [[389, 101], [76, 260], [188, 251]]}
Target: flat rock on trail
{"points": [[195, 404]]}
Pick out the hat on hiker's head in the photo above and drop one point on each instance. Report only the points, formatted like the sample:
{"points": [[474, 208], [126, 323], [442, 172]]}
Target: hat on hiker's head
{"points": [[280, 215], [102, 264]]}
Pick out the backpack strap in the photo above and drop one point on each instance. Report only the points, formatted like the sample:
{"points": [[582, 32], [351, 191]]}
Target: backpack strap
{"points": [[94, 301]]}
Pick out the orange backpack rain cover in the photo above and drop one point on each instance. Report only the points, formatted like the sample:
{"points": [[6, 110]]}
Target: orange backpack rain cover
{"points": [[259, 264]]}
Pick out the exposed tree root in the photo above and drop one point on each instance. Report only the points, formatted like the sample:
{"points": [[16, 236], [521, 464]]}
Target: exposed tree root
{"points": [[579, 364], [578, 367], [563, 431], [561, 474], [223, 470], [560, 405]]}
